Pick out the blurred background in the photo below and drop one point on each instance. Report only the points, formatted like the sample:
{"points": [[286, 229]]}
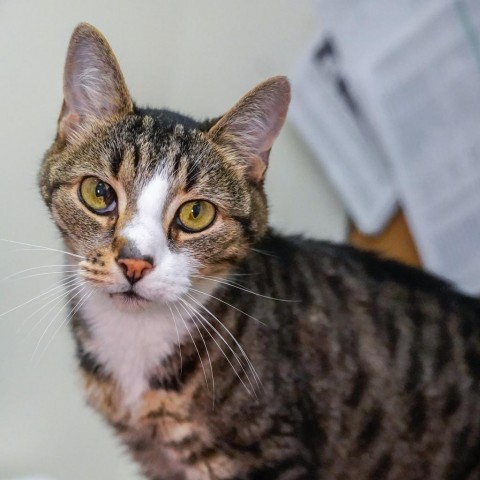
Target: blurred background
{"points": [[197, 57], [381, 149]]}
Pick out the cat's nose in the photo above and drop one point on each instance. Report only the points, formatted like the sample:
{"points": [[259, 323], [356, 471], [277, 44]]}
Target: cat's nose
{"points": [[134, 265]]}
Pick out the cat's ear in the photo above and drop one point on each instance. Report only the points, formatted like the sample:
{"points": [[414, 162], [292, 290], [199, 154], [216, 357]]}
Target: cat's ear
{"points": [[249, 129], [93, 85]]}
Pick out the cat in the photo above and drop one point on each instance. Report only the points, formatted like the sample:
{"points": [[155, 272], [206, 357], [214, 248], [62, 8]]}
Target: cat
{"points": [[219, 349]]}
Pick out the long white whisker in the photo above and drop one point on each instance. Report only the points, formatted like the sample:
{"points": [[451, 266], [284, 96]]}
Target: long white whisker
{"points": [[58, 299], [178, 338], [33, 268], [202, 319], [228, 304], [195, 346], [241, 274], [41, 247], [206, 349], [56, 296], [31, 300], [263, 252], [242, 351], [64, 283], [66, 320], [244, 289], [58, 272], [51, 323]]}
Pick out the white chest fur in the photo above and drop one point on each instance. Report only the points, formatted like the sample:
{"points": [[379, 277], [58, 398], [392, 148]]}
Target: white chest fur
{"points": [[131, 344]]}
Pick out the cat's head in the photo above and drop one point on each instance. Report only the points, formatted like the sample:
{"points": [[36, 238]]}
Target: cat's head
{"points": [[149, 199]]}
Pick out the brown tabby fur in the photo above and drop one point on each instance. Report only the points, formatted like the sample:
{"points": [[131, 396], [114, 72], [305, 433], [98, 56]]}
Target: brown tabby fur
{"points": [[366, 369]]}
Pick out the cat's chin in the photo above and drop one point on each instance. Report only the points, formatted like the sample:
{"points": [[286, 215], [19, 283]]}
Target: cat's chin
{"points": [[130, 301]]}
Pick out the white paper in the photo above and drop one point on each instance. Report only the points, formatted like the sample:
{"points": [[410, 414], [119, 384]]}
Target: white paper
{"points": [[414, 67], [424, 91], [342, 139]]}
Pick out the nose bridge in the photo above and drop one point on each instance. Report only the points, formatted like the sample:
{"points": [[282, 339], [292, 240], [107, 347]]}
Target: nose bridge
{"points": [[139, 235], [131, 251]]}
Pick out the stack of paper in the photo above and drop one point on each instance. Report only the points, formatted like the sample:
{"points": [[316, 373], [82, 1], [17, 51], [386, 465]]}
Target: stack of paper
{"points": [[393, 114]]}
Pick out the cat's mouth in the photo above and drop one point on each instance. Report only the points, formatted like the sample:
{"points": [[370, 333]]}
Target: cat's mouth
{"points": [[130, 298]]}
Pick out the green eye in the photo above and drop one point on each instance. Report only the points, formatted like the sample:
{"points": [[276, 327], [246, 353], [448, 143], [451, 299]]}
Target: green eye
{"points": [[196, 215], [97, 195]]}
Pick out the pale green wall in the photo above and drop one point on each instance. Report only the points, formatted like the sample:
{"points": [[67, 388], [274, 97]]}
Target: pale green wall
{"points": [[195, 56]]}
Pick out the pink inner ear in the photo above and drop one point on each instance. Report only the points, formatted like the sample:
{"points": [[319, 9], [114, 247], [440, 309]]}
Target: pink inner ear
{"points": [[94, 88], [273, 125], [254, 123]]}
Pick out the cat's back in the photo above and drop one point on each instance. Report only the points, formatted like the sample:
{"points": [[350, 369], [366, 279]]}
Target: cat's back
{"points": [[345, 280], [391, 358]]}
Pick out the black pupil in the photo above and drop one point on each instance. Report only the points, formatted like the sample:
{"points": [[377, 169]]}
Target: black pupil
{"points": [[196, 209], [101, 190]]}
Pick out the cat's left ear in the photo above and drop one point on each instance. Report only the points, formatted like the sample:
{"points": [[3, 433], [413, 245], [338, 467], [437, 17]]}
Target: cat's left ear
{"points": [[249, 129], [93, 85]]}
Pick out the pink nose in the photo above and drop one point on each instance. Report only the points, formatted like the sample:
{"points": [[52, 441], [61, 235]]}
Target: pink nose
{"points": [[134, 268]]}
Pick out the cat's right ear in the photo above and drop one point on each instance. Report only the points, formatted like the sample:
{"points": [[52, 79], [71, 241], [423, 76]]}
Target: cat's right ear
{"points": [[93, 85]]}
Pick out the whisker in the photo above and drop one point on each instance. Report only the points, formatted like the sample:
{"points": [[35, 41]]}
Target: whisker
{"points": [[58, 299], [32, 299], [206, 349], [240, 287], [263, 252], [229, 304], [241, 274], [52, 294], [41, 247], [202, 319], [51, 323], [33, 268], [195, 345], [178, 338], [66, 320], [242, 351], [70, 285], [46, 273]]}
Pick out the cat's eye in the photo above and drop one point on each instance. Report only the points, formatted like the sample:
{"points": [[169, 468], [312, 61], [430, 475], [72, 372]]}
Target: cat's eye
{"points": [[97, 195], [196, 215]]}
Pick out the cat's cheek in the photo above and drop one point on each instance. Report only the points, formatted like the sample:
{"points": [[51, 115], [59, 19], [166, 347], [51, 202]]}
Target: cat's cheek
{"points": [[83, 231], [58, 220]]}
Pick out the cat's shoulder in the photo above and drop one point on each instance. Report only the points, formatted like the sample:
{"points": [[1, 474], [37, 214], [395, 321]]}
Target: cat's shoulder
{"points": [[331, 258]]}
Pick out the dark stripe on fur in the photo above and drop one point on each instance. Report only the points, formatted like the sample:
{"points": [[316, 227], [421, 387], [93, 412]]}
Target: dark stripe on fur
{"points": [[444, 351], [370, 430], [358, 390], [453, 400], [193, 171], [465, 455], [116, 160], [277, 470], [418, 415], [175, 382], [90, 364], [382, 468]]}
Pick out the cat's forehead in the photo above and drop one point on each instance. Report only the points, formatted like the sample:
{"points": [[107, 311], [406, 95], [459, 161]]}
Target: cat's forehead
{"points": [[136, 149], [151, 142]]}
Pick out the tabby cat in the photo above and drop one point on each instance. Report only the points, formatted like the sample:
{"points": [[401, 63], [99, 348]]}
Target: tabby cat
{"points": [[217, 349]]}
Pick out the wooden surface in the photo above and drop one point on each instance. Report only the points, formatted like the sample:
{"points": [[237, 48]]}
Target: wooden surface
{"points": [[395, 241]]}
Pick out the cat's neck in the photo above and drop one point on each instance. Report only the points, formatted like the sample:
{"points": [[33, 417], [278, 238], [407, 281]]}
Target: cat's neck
{"points": [[130, 344]]}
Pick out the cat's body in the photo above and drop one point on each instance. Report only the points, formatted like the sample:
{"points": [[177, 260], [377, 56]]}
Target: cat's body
{"points": [[220, 350]]}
